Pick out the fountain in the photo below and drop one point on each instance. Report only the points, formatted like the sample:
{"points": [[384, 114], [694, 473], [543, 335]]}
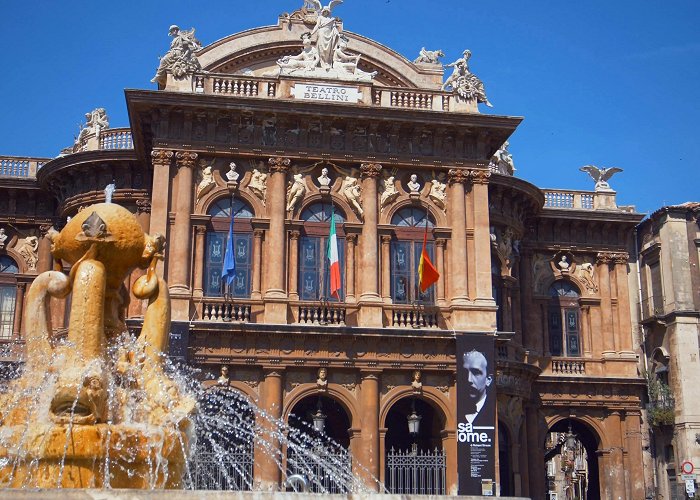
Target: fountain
{"points": [[101, 409], [96, 410]]}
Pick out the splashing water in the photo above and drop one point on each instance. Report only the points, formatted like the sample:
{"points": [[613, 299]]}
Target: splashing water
{"points": [[222, 440]]}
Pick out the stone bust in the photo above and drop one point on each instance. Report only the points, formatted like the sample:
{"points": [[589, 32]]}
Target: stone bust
{"points": [[324, 180], [232, 175], [223, 378], [413, 184], [3, 237], [322, 380]]}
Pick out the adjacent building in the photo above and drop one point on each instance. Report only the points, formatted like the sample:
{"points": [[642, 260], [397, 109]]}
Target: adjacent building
{"points": [[284, 127]]}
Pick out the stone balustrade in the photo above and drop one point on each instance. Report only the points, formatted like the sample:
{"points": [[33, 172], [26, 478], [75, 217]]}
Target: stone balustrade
{"points": [[116, 138], [19, 166], [413, 317], [320, 313], [218, 309], [385, 97], [580, 200], [569, 366]]}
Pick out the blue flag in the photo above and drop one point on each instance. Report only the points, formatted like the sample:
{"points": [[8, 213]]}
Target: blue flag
{"points": [[229, 269]]}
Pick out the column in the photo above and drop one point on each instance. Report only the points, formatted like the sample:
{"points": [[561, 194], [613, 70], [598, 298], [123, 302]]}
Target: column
{"points": [[386, 268], [199, 251], [160, 205], [257, 263], [19, 310], [535, 450], [603, 261], [615, 473], [370, 301], [267, 475], [369, 403], [351, 243], [482, 237], [449, 444], [180, 242], [45, 258], [440, 245], [275, 295], [633, 445], [294, 265], [457, 178], [625, 341]]}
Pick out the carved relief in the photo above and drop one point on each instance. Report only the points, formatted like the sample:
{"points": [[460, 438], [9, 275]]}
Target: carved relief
{"points": [[28, 248], [352, 192], [585, 273], [389, 194], [438, 194], [206, 179], [295, 191], [258, 184]]}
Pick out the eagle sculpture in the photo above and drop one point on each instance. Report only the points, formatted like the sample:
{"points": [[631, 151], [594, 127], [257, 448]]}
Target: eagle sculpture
{"points": [[316, 4], [600, 175]]}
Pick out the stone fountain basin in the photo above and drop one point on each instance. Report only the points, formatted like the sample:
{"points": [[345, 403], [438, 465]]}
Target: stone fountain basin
{"points": [[61, 456]]}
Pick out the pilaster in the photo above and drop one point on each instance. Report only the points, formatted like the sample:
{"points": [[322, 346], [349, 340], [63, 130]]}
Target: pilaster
{"points": [[275, 295], [370, 301]]}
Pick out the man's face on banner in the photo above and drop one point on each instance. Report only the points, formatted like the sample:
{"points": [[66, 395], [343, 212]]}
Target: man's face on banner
{"points": [[477, 375]]}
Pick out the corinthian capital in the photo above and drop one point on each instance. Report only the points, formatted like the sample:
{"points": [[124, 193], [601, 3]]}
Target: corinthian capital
{"points": [[370, 169], [620, 257], [185, 159], [604, 258], [457, 176], [161, 157], [479, 176], [279, 164]]}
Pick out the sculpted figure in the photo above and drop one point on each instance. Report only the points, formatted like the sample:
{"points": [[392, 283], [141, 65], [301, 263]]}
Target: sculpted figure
{"points": [[322, 380], [308, 59], [326, 29], [438, 193], [324, 180], [600, 176], [180, 60], [351, 190], [232, 175], [389, 194], [416, 384], [223, 378], [28, 248], [585, 274], [258, 184], [563, 264], [429, 56], [463, 82], [348, 62], [206, 176], [413, 184], [502, 161], [109, 191], [95, 121], [296, 191], [3, 237]]}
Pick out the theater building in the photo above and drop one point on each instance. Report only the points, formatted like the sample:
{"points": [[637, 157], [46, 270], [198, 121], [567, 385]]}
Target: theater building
{"points": [[271, 127]]}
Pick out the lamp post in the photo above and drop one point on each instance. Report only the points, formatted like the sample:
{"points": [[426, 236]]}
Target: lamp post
{"points": [[414, 426]]}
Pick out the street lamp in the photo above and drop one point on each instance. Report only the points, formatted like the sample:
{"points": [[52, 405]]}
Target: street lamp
{"points": [[319, 418], [414, 426], [571, 440]]}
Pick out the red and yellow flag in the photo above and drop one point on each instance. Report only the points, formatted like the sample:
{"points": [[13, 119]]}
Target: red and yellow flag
{"points": [[427, 274]]}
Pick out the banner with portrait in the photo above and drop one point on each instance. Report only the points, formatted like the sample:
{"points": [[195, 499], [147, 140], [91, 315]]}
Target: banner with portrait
{"points": [[476, 414]]}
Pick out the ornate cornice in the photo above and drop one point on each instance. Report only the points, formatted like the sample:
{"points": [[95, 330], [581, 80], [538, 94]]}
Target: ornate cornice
{"points": [[371, 170], [161, 157], [186, 159], [457, 176], [612, 258], [279, 164]]}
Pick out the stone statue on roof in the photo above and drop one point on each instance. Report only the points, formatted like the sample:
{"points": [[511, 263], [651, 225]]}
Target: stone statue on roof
{"points": [[502, 161], [429, 56], [465, 83], [326, 30], [600, 176], [308, 59], [180, 60]]}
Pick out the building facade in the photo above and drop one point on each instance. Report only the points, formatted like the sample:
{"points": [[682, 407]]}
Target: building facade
{"points": [[669, 243], [280, 144]]}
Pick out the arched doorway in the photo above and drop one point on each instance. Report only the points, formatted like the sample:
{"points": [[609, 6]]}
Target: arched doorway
{"points": [[505, 470], [222, 456], [317, 445], [415, 459], [571, 461]]}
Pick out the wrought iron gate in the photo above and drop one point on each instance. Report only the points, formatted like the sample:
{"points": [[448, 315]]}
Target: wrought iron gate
{"points": [[416, 473], [327, 471], [231, 470]]}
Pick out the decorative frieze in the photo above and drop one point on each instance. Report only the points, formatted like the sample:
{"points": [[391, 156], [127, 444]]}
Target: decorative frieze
{"points": [[370, 170], [279, 164]]}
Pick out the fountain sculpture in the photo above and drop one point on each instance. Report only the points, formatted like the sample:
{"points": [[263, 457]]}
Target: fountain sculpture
{"points": [[97, 409]]}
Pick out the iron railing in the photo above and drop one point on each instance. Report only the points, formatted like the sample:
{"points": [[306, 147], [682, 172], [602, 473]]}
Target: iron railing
{"points": [[419, 472]]}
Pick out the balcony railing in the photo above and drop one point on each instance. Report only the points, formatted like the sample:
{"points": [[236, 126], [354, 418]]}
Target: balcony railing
{"points": [[20, 167], [323, 313], [414, 317], [116, 138]]}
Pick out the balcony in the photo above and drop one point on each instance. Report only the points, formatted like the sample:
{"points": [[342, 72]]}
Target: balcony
{"points": [[218, 309], [20, 167], [580, 200], [411, 316], [568, 366]]}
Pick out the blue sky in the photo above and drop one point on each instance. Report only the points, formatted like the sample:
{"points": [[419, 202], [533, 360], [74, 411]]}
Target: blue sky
{"points": [[609, 83]]}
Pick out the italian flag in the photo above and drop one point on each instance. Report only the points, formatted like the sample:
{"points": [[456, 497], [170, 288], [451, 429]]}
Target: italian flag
{"points": [[334, 267]]}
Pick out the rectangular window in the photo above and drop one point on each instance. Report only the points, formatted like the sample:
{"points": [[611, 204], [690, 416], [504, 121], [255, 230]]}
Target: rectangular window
{"points": [[8, 296], [214, 262], [555, 332], [314, 272], [405, 258], [657, 298]]}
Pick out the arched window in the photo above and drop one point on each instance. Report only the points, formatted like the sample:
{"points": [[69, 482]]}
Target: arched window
{"points": [[217, 234], [406, 247], [8, 295], [564, 319], [314, 276]]}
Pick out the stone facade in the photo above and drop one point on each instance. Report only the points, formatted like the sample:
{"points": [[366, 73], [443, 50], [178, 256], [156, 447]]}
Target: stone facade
{"points": [[511, 256]]}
